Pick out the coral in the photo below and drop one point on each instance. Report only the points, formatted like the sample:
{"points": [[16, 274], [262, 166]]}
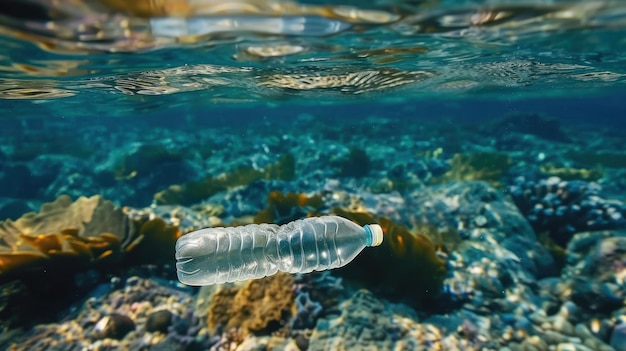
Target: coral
{"points": [[562, 208], [68, 236], [489, 167], [568, 173], [356, 164], [260, 306], [65, 233], [405, 264], [307, 311], [152, 243], [288, 207], [317, 294], [323, 287], [196, 191]]}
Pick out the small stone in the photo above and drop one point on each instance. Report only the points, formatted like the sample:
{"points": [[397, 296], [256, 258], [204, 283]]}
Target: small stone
{"points": [[480, 220], [582, 331], [563, 326], [572, 347], [618, 338], [113, 326], [159, 321], [537, 343], [552, 337]]}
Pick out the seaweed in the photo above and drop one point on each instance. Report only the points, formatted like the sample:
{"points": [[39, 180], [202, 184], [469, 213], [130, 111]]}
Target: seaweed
{"points": [[485, 166], [356, 164], [68, 237], [283, 208], [568, 173], [406, 265], [196, 191], [599, 159]]}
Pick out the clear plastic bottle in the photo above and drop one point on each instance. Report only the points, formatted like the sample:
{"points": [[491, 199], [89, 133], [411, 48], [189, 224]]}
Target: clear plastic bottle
{"points": [[220, 255]]}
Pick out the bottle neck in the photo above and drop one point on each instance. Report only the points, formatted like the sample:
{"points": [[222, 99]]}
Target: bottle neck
{"points": [[373, 234], [369, 235]]}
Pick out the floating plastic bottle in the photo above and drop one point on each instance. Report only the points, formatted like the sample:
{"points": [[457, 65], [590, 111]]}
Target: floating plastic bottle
{"points": [[220, 255]]}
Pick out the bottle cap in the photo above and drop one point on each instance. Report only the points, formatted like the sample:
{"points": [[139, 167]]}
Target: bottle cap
{"points": [[376, 232]]}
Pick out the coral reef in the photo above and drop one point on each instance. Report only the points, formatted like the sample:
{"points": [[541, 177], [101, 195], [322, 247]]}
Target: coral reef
{"points": [[562, 208], [68, 236], [196, 191], [260, 306]]}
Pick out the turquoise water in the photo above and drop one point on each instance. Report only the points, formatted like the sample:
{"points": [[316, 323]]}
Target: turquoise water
{"points": [[486, 137]]}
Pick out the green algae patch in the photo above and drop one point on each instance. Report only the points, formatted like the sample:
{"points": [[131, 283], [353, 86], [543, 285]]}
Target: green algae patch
{"points": [[601, 159], [485, 166], [196, 191], [282, 208], [568, 173]]}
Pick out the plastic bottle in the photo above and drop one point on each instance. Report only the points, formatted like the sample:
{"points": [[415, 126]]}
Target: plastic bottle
{"points": [[220, 255]]}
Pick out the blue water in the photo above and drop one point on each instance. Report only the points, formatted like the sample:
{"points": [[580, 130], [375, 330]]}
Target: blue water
{"points": [[487, 137]]}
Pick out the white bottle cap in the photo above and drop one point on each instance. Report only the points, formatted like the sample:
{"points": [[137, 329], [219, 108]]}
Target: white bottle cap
{"points": [[377, 234]]}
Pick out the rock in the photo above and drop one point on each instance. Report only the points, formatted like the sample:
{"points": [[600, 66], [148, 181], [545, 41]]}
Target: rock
{"points": [[458, 204], [533, 257], [618, 338], [113, 326], [596, 296], [159, 321], [572, 347]]}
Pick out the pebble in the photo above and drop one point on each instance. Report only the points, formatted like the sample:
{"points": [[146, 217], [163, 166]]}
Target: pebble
{"points": [[572, 347], [159, 321], [618, 337], [113, 326]]}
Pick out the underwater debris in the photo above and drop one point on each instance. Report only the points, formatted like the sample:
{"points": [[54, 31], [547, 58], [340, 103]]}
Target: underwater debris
{"points": [[283, 208], [196, 191], [405, 264], [485, 166], [261, 306]]}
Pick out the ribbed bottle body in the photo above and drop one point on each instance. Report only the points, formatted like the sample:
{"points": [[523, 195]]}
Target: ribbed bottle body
{"points": [[219, 255]]}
